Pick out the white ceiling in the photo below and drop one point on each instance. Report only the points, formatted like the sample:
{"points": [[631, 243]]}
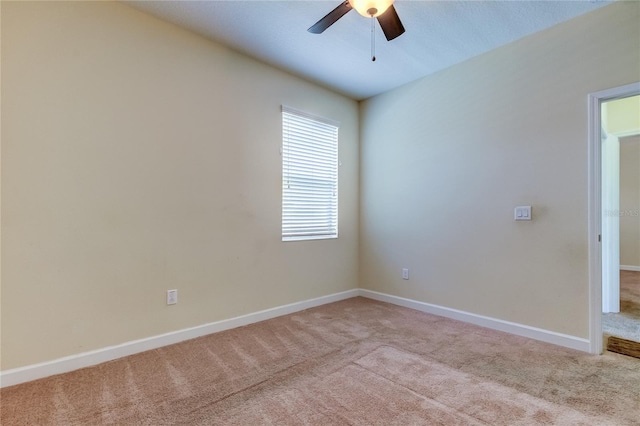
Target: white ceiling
{"points": [[438, 34]]}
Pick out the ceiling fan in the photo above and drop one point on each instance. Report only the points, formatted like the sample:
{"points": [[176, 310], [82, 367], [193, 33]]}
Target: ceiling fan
{"points": [[383, 10]]}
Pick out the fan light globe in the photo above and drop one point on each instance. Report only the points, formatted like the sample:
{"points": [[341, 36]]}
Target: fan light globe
{"points": [[364, 7]]}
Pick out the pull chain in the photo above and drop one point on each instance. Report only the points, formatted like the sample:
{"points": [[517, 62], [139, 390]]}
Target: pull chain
{"points": [[373, 39]]}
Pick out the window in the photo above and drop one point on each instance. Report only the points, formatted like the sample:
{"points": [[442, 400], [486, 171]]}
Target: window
{"points": [[309, 176]]}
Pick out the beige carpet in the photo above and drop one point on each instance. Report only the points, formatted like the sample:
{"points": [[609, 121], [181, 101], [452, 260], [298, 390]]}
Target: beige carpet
{"points": [[356, 362]]}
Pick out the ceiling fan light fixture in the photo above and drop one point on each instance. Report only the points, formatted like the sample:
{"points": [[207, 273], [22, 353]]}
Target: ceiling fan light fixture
{"points": [[382, 10], [371, 8]]}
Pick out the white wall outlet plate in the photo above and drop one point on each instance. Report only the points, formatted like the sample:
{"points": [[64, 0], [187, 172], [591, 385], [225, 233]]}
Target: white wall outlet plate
{"points": [[405, 273], [522, 213], [172, 297]]}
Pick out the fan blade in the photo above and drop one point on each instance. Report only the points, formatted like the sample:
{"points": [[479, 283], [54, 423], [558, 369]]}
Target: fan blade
{"points": [[330, 18], [390, 23]]}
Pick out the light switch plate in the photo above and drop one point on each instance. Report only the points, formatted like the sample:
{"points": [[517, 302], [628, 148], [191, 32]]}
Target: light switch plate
{"points": [[522, 213]]}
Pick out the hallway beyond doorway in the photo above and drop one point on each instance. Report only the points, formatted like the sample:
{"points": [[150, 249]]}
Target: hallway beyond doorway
{"points": [[626, 323]]}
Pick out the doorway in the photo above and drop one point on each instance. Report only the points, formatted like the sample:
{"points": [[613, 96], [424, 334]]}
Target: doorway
{"points": [[604, 208], [621, 219]]}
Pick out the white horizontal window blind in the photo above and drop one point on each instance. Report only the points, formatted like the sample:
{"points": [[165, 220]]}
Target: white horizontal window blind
{"points": [[309, 176]]}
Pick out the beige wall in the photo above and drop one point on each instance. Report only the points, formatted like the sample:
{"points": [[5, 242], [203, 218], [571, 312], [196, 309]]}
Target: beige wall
{"points": [[445, 160], [622, 115], [630, 201], [139, 157]]}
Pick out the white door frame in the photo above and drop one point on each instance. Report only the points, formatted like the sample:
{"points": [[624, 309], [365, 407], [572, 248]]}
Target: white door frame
{"points": [[595, 207], [610, 247]]}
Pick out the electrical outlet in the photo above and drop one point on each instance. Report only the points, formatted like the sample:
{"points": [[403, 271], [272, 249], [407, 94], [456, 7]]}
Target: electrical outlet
{"points": [[405, 273], [522, 213], [172, 297]]}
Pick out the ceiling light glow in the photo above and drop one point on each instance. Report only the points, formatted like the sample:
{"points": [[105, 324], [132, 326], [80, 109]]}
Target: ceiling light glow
{"points": [[371, 8]]}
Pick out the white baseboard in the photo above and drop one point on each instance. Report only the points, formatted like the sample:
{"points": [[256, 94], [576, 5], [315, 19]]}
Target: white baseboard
{"points": [[629, 268], [488, 322], [87, 359]]}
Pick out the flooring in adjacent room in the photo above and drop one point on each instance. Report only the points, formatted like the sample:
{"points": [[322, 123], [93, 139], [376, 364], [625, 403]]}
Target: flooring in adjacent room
{"points": [[624, 326], [354, 362]]}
